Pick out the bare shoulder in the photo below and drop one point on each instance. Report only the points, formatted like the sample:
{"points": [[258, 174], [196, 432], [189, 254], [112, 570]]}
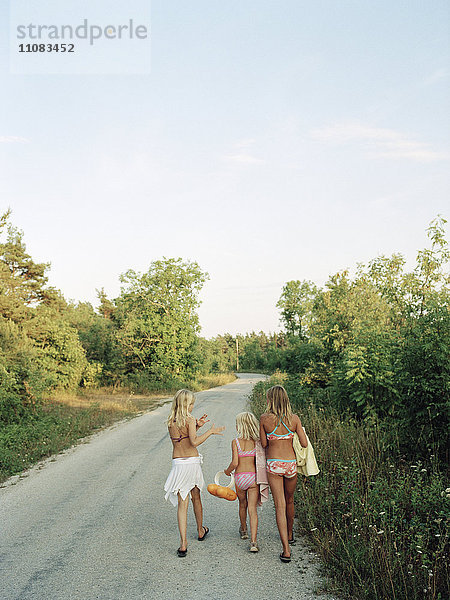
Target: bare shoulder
{"points": [[190, 420], [295, 420], [266, 421]]}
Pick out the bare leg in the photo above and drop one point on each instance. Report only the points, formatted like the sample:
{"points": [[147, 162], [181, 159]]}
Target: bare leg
{"points": [[182, 520], [198, 509], [289, 489], [253, 494], [242, 495], [277, 489]]}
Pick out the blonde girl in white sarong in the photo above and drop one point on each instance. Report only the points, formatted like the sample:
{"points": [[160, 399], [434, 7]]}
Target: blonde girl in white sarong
{"points": [[186, 474]]}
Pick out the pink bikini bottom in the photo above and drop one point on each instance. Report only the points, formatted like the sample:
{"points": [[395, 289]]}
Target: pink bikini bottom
{"points": [[244, 480]]}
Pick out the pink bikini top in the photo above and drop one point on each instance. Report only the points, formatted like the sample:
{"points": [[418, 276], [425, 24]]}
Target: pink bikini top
{"points": [[247, 452], [284, 436]]}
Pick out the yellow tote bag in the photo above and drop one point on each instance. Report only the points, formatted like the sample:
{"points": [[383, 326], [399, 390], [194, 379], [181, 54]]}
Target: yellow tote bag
{"points": [[306, 460]]}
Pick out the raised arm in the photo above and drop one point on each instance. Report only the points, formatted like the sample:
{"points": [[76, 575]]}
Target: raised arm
{"points": [[234, 459], [200, 422], [195, 439], [300, 431]]}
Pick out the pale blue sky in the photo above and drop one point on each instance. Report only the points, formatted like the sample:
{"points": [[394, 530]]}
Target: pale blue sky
{"points": [[273, 140]]}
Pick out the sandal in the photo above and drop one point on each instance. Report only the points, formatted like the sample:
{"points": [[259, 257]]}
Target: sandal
{"points": [[292, 542], [253, 547], [206, 530], [181, 553], [243, 533], [285, 559]]}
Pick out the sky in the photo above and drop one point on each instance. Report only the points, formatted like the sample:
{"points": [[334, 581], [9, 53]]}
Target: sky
{"points": [[272, 140]]}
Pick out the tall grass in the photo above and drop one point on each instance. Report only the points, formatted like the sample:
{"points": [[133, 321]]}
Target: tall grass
{"points": [[379, 522], [50, 429]]}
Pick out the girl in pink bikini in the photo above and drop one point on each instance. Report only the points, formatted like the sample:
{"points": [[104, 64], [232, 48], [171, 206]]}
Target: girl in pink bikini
{"points": [[277, 428], [243, 463]]}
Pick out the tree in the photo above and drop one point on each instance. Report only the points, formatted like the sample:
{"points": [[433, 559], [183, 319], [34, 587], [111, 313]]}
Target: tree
{"points": [[39, 350], [157, 319], [22, 281], [296, 303]]}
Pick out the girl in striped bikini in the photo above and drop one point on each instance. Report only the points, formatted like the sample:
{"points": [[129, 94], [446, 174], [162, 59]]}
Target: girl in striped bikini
{"points": [[243, 463]]}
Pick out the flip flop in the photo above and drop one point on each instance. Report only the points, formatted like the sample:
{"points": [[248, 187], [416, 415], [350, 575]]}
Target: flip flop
{"points": [[206, 530], [181, 553], [285, 559], [292, 542]]}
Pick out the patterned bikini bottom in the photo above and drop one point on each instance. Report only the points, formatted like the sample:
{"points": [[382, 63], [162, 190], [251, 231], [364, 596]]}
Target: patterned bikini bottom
{"points": [[277, 466]]}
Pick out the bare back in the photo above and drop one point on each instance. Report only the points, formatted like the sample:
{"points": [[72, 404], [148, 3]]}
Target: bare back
{"points": [[182, 447], [246, 464], [277, 437]]}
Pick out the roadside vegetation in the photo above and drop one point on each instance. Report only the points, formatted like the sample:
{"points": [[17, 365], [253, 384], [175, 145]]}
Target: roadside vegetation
{"points": [[366, 363]]}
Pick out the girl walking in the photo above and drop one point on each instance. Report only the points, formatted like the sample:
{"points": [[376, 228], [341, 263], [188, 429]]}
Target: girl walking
{"points": [[277, 428], [186, 475], [243, 463]]}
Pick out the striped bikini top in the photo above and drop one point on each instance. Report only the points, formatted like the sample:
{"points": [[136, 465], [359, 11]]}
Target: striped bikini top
{"points": [[247, 452], [283, 436]]}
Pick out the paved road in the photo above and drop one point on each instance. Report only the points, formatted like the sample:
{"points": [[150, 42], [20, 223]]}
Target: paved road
{"points": [[94, 524]]}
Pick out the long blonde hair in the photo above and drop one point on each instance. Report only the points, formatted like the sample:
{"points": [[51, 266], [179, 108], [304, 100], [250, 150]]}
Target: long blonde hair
{"points": [[179, 411], [278, 403], [247, 426]]}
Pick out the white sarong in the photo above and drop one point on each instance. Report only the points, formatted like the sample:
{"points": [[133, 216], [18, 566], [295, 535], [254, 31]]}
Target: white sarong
{"points": [[186, 473]]}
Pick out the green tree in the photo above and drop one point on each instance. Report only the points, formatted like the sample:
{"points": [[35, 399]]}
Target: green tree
{"points": [[22, 281], [295, 303], [157, 318]]}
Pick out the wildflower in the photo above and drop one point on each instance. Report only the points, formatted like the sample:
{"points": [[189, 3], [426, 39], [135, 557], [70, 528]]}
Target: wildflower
{"points": [[382, 513], [423, 470], [314, 529], [447, 491], [380, 532], [419, 552], [437, 535], [438, 521]]}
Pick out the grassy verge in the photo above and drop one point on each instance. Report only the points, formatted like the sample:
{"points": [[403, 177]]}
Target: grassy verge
{"points": [[65, 418], [379, 522]]}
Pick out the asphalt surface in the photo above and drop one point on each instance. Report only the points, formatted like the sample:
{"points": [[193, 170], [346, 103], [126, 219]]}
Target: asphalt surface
{"points": [[92, 522]]}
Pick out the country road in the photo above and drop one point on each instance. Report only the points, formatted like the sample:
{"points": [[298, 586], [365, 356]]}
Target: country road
{"points": [[94, 524]]}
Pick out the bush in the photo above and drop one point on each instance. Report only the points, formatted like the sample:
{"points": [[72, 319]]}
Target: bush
{"points": [[380, 522]]}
